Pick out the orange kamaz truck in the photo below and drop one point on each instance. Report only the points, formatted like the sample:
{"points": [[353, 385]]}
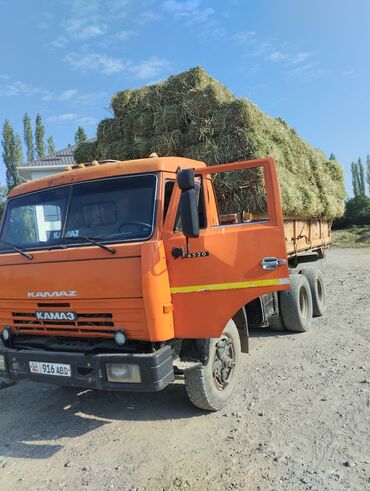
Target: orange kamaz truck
{"points": [[122, 275]]}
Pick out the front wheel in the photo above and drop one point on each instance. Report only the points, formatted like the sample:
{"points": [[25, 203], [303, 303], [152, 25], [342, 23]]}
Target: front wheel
{"points": [[210, 386]]}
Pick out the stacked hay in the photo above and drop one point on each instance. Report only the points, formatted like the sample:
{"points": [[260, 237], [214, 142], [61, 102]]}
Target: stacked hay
{"points": [[192, 115]]}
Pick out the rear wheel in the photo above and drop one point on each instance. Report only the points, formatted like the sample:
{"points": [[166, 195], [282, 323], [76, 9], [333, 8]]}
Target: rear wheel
{"points": [[276, 323], [210, 386], [296, 304], [317, 286]]}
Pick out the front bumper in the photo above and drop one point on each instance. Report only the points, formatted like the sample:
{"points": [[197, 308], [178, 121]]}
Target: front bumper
{"points": [[89, 371]]}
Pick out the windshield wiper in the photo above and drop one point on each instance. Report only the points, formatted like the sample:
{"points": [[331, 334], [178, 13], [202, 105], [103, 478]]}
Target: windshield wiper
{"points": [[93, 241], [28, 256]]}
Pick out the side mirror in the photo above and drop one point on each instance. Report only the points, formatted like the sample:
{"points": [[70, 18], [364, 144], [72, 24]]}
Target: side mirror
{"points": [[188, 203]]}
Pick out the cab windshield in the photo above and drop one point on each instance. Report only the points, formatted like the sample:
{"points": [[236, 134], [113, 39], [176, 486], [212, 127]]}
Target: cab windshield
{"points": [[111, 210]]}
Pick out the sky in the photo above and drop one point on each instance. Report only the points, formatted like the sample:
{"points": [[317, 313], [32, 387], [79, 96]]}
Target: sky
{"points": [[306, 61]]}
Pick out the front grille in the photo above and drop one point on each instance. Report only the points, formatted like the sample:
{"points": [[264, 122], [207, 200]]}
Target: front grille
{"points": [[85, 324]]}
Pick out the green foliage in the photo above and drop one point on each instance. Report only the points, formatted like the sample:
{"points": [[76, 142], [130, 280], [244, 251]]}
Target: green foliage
{"points": [[11, 154], [357, 212], [18, 150], [39, 137], [355, 179], [361, 176], [3, 195], [332, 156], [80, 135], [192, 115], [50, 145], [28, 137], [368, 172]]}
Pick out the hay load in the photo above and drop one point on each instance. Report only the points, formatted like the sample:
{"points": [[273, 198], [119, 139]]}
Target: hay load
{"points": [[193, 115]]}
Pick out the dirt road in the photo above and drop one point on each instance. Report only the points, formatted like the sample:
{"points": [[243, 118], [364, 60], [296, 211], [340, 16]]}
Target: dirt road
{"points": [[299, 419]]}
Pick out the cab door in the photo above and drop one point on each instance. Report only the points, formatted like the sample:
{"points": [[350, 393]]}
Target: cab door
{"points": [[235, 259]]}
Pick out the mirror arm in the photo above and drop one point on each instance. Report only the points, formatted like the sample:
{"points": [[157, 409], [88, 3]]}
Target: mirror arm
{"points": [[187, 246]]}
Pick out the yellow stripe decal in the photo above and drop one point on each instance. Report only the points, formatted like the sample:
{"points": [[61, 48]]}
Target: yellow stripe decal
{"points": [[229, 286]]}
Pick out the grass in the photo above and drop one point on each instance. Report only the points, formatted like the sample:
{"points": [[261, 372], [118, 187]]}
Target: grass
{"points": [[352, 237], [193, 115]]}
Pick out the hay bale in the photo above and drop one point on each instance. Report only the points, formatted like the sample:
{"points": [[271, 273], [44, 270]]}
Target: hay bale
{"points": [[86, 152], [193, 115]]}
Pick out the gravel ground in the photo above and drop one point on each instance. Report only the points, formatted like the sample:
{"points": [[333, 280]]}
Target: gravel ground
{"points": [[298, 420]]}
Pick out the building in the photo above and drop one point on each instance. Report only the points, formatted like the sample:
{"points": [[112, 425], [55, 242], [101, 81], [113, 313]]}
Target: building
{"points": [[47, 217], [53, 163]]}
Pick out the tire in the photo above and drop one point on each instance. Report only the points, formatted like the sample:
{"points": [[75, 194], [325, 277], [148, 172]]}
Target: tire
{"points": [[205, 385], [296, 304], [316, 281], [276, 323]]}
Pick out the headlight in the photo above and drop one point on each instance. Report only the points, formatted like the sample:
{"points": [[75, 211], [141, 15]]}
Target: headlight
{"points": [[6, 333], [2, 363], [124, 373]]}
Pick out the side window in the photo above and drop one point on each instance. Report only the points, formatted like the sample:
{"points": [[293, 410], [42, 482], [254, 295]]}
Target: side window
{"points": [[241, 196], [201, 206], [168, 188]]}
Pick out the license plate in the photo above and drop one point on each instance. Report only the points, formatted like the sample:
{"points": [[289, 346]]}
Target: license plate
{"points": [[58, 369]]}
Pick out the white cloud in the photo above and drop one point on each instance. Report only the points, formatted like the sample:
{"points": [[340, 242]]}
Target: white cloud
{"points": [[148, 16], [63, 117], [293, 62], [302, 57], [84, 28], [84, 7], [14, 88], [124, 35], [67, 95], [59, 42], [17, 88], [87, 121], [277, 56], [95, 62], [149, 68], [73, 96], [67, 117], [190, 10]]}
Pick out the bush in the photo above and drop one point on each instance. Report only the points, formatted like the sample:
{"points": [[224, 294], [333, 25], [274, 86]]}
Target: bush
{"points": [[357, 212]]}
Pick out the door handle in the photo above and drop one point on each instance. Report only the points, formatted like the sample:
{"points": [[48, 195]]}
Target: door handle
{"points": [[270, 263]]}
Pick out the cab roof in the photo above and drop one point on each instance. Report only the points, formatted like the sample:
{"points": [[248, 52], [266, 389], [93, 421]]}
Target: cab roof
{"points": [[95, 170]]}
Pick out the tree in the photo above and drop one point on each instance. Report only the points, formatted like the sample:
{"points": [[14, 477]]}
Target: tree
{"points": [[358, 211], [368, 172], [39, 137], [51, 145], [28, 137], [332, 156], [18, 150], [3, 194], [355, 179], [11, 154], [361, 176], [80, 135]]}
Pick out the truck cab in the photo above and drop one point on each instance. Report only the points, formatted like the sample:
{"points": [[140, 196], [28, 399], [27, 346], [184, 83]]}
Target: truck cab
{"points": [[122, 275]]}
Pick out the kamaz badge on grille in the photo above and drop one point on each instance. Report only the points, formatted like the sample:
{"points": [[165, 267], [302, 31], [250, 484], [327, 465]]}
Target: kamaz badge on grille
{"points": [[44, 315]]}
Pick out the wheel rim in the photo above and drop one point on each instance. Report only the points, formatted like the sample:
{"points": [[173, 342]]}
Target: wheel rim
{"points": [[223, 362], [304, 303]]}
